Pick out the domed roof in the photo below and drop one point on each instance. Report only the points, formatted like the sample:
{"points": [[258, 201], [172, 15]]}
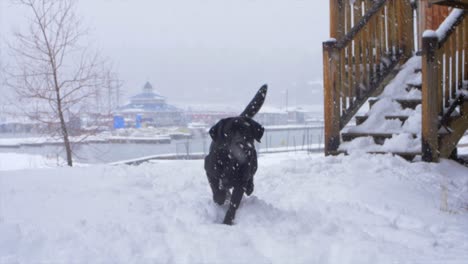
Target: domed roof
{"points": [[148, 88], [148, 93]]}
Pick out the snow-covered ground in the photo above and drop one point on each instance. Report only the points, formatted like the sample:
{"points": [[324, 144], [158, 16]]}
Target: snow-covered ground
{"points": [[305, 209]]}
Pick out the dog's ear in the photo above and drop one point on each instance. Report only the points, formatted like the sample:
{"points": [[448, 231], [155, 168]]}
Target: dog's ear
{"points": [[216, 131], [257, 129]]}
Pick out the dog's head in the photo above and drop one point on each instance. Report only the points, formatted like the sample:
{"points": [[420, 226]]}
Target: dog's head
{"points": [[236, 129]]}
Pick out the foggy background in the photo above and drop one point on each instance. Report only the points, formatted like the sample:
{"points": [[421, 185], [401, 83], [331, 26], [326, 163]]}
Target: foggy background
{"points": [[204, 51]]}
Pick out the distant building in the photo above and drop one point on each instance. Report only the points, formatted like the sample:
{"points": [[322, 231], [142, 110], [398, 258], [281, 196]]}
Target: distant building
{"points": [[149, 109], [207, 117], [296, 115], [271, 116]]}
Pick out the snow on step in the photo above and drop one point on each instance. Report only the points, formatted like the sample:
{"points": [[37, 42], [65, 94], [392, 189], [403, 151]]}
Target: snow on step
{"points": [[406, 133], [396, 89], [306, 209]]}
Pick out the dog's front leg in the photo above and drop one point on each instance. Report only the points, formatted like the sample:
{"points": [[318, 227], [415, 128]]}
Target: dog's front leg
{"points": [[235, 202]]}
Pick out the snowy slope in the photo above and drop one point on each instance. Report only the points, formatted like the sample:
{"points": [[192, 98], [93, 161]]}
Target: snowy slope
{"points": [[305, 209]]}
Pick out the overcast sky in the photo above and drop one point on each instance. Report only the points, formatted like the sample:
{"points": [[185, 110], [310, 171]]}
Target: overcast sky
{"points": [[206, 51]]}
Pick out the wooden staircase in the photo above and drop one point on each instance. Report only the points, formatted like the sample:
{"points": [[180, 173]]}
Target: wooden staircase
{"points": [[418, 106], [391, 124]]}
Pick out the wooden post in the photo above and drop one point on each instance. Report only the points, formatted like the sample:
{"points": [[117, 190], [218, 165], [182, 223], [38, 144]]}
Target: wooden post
{"points": [[337, 19], [430, 111], [331, 96]]}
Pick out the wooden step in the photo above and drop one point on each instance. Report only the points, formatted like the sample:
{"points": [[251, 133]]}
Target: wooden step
{"points": [[405, 103], [411, 86], [379, 138], [362, 119]]}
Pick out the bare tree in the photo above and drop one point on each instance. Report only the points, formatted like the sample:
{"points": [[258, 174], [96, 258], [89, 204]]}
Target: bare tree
{"points": [[54, 75]]}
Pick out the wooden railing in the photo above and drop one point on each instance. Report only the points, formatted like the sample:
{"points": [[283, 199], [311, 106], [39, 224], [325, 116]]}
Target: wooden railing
{"points": [[444, 67], [369, 38]]}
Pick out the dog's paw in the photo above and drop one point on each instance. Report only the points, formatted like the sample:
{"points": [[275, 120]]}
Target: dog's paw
{"points": [[249, 189], [228, 219], [219, 197], [227, 222]]}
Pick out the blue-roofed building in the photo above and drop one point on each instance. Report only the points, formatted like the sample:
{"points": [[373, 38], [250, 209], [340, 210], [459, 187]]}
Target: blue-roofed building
{"points": [[151, 109]]}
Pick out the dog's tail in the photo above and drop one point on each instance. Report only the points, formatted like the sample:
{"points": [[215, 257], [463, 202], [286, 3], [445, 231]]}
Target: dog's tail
{"points": [[254, 106]]}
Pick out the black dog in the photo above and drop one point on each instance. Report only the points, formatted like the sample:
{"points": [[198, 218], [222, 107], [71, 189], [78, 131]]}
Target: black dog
{"points": [[232, 161]]}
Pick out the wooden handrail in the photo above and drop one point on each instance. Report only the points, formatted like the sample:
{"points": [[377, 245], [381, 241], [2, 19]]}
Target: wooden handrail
{"points": [[452, 27], [453, 3], [444, 68], [369, 39]]}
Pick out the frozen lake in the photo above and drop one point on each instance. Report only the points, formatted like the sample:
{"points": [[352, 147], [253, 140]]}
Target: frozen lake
{"points": [[295, 139]]}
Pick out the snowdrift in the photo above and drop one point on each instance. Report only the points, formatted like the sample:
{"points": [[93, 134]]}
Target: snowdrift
{"points": [[305, 209]]}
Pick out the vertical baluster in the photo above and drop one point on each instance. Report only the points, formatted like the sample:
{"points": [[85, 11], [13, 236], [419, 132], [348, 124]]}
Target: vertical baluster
{"points": [[459, 56], [400, 28], [378, 46], [446, 49], [343, 81], [367, 4], [390, 27], [465, 48], [365, 62], [407, 32], [385, 31], [453, 46], [453, 89], [394, 28], [349, 90], [409, 21], [357, 50], [371, 46], [359, 8], [349, 50], [347, 17]]}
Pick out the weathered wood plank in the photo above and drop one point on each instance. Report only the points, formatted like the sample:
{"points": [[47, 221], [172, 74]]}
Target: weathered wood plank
{"points": [[336, 19], [331, 97], [449, 141], [430, 113]]}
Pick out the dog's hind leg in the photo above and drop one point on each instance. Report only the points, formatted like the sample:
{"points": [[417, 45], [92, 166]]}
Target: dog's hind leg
{"points": [[236, 198]]}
